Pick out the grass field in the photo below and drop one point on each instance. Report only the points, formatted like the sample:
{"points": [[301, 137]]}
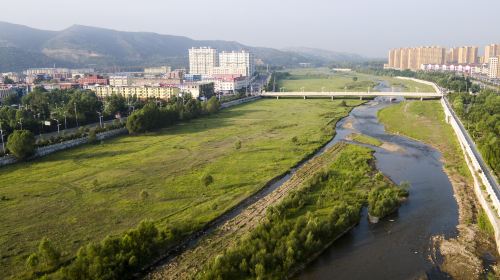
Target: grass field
{"points": [[425, 121], [323, 79], [82, 195], [365, 139]]}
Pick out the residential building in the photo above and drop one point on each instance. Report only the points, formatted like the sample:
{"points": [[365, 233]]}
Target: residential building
{"points": [[202, 61], [467, 55], [153, 81], [235, 63], [157, 70], [93, 80], [228, 83], [141, 92], [6, 91], [413, 58], [491, 51], [197, 89], [494, 67], [120, 81]]}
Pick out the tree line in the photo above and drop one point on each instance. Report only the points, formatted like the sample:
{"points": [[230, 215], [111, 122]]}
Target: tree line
{"points": [[480, 115]]}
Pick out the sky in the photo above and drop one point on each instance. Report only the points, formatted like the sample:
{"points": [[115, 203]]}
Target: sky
{"points": [[366, 27]]}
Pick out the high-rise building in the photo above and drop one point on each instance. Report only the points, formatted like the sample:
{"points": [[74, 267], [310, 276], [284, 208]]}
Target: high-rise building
{"points": [[240, 63], [413, 58], [494, 67], [202, 61], [491, 51], [452, 56], [467, 55]]}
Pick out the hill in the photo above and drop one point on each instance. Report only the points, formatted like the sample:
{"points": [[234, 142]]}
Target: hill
{"points": [[22, 46]]}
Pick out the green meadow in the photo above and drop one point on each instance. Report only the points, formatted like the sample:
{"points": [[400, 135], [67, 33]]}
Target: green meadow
{"points": [[84, 194]]}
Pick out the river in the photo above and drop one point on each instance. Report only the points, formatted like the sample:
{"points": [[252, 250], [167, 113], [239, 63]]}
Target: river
{"points": [[398, 247]]}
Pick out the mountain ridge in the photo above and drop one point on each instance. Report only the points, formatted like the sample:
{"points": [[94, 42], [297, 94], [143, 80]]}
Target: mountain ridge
{"points": [[88, 46]]}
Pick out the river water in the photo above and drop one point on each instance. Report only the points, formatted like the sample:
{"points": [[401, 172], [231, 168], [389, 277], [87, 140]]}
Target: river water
{"points": [[398, 247]]}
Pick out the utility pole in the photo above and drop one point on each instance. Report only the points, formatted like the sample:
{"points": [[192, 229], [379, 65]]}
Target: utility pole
{"points": [[100, 119], [76, 115], [21, 122]]}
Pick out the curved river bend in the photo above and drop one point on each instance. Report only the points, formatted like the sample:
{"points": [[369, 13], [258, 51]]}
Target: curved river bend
{"points": [[399, 247]]}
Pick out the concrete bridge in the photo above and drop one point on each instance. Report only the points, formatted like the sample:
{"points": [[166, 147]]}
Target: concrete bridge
{"points": [[361, 95]]}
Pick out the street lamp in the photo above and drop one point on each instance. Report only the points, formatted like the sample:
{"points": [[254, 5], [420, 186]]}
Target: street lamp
{"points": [[100, 118], [58, 126], [1, 136]]}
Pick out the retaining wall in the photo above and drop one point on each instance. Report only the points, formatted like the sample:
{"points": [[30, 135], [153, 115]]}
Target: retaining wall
{"points": [[239, 101], [47, 150]]}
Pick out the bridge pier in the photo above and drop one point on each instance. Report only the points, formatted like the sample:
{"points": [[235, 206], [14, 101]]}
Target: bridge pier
{"points": [[304, 97], [277, 97], [361, 98], [332, 97], [421, 98]]}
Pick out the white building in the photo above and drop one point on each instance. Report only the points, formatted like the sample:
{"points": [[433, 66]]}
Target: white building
{"points": [[157, 70], [120, 81], [494, 68], [202, 61], [236, 63]]}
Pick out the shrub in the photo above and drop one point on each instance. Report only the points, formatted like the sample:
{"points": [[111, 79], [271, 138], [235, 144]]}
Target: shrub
{"points": [[144, 194], [237, 145], [295, 140], [343, 104], [92, 137], [207, 180], [21, 143]]}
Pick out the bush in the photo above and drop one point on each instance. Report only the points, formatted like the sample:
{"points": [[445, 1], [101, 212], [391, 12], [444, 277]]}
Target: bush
{"points": [[92, 137], [207, 180], [342, 103], [237, 145], [21, 143]]}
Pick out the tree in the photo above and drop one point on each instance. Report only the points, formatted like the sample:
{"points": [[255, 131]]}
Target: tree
{"points": [[354, 79], [8, 81], [115, 103], [213, 105], [50, 255], [21, 143], [207, 180], [11, 99], [92, 139]]}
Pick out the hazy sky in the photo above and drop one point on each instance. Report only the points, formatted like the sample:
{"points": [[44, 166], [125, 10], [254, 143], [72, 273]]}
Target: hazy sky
{"points": [[367, 27]]}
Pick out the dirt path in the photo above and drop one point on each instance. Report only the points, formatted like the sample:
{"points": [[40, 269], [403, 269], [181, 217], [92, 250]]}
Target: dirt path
{"points": [[187, 264]]}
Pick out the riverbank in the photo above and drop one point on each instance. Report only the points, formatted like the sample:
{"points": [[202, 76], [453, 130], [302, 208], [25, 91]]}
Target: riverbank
{"points": [[464, 256], [306, 221]]}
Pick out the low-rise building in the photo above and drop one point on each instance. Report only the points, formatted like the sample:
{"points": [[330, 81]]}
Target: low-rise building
{"points": [[141, 92], [157, 70], [120, 81], [198, 89], [93, 80]]}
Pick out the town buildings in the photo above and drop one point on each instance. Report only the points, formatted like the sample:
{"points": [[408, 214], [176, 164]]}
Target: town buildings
{"points": [[413, 58], [141, 92], [202, 61], [494, 67], [157, 70]]}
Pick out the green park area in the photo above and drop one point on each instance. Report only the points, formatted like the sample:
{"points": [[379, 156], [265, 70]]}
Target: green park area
{"points": [[84, 194], [327, 80]]}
